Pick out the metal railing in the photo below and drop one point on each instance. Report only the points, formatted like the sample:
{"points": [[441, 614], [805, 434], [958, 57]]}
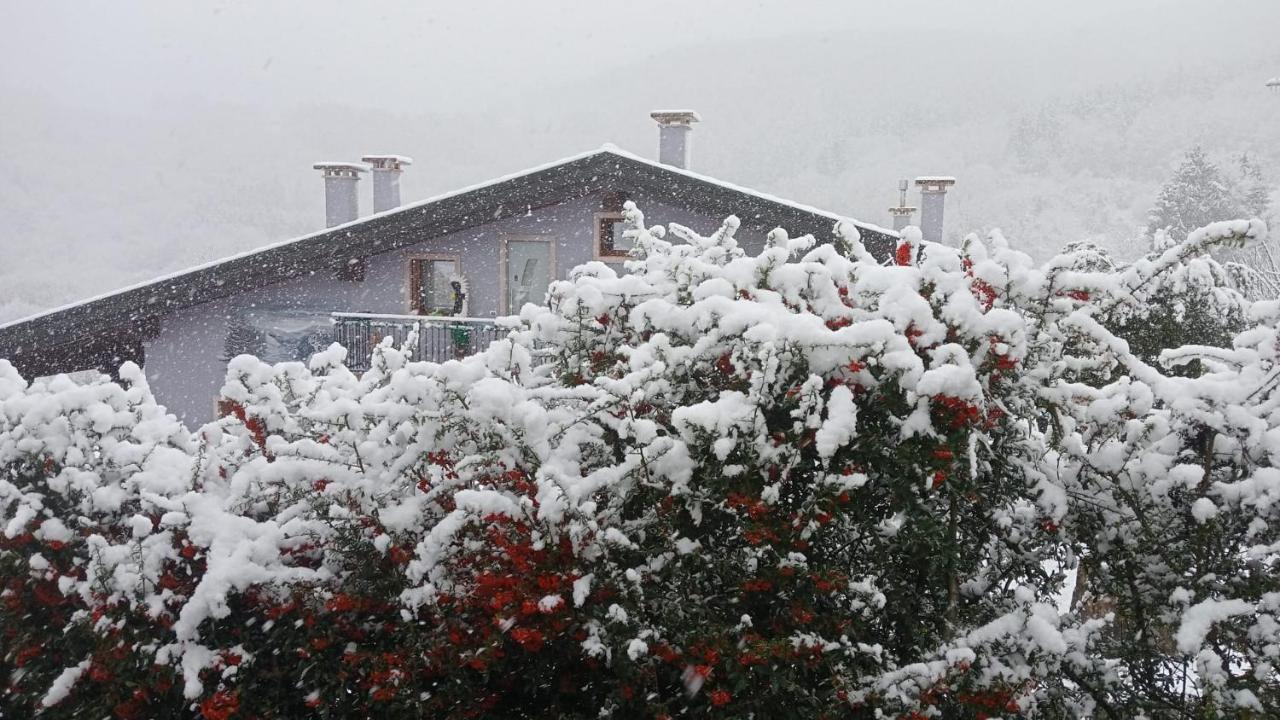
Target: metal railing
{"points": [[439, 338]]}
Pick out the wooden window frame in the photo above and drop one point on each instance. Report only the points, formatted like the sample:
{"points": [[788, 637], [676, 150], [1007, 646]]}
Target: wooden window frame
{"points": [[603, 244], [411, 280], [504, 258]]}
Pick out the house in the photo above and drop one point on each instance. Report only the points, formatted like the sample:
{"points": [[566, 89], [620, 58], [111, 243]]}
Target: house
{"points": [[471, 255]]}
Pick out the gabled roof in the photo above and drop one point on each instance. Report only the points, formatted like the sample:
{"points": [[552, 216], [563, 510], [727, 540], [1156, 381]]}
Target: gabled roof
{"points": [[134, 309]]}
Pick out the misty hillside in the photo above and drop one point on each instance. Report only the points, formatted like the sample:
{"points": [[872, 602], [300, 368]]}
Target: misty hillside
{"points": [[1050, 141]]}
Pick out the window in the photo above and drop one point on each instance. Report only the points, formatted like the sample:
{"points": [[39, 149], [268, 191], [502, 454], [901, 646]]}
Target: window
{"points": [[528, 267], [278, 334], [431, 281], [612, 244]]}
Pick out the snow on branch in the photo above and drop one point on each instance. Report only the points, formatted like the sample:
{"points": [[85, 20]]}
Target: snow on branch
{"points": [[790, 484]]}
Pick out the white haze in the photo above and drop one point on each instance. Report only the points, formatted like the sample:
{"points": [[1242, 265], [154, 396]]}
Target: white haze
{"points": [[138, 138]]}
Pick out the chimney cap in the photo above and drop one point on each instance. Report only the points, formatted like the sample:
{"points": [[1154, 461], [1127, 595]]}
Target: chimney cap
{"points": [[387, 162], [902, 210], [935, 181], [675, 117], [335, 168]]}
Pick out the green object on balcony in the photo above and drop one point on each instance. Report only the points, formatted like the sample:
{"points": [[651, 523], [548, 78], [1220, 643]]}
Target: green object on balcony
{"points": [[461, 338]]}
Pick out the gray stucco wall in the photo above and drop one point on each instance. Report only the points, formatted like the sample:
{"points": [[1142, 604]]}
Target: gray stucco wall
{"points": [[186, 364]]}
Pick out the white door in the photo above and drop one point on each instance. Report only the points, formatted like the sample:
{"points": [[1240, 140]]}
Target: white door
{"points": [[530, 267]]}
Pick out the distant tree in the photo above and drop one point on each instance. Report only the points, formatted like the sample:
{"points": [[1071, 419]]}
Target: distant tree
{"points": [[1255, 267], [1198, 194], [1252, 194]]}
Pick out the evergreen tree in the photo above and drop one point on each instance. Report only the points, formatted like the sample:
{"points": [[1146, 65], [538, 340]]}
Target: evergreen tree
{"points": [[1255, 268], [1252, 195], [1198, 194]]}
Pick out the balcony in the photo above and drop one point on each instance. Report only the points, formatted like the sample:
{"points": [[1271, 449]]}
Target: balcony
{"points": [[439, 338]]}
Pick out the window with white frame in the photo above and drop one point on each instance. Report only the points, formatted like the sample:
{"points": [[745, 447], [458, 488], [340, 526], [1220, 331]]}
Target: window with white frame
{"points": [[528, 268]]}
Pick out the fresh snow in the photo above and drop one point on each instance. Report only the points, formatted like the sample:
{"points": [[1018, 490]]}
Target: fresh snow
{"points": [[1000, 372]]}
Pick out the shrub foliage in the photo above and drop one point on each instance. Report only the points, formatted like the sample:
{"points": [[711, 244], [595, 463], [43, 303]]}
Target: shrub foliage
{"points": [[792, 485]]}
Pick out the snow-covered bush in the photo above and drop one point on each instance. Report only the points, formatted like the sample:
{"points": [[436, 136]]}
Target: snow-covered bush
{"points": [[799, 484]]}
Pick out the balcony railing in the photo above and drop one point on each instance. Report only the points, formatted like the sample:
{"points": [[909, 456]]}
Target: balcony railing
{"points": [[439, 338]]}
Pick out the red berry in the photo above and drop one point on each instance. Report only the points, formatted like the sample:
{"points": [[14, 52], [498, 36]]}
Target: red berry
{"points": [[903, 254]]}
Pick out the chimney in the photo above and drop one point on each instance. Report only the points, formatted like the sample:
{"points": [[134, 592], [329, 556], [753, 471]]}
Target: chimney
{"points": [[902, 214], [341, 203], [674, 129], [933, 194], [386, 179]]}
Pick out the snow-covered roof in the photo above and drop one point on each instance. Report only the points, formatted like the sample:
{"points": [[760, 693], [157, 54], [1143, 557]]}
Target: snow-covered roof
{"points": [[291, 241], [835, 217], [604, 168]]}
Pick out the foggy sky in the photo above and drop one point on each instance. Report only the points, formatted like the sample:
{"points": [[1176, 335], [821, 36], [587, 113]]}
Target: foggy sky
{"points": [[415, 56], [141, 137]]}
